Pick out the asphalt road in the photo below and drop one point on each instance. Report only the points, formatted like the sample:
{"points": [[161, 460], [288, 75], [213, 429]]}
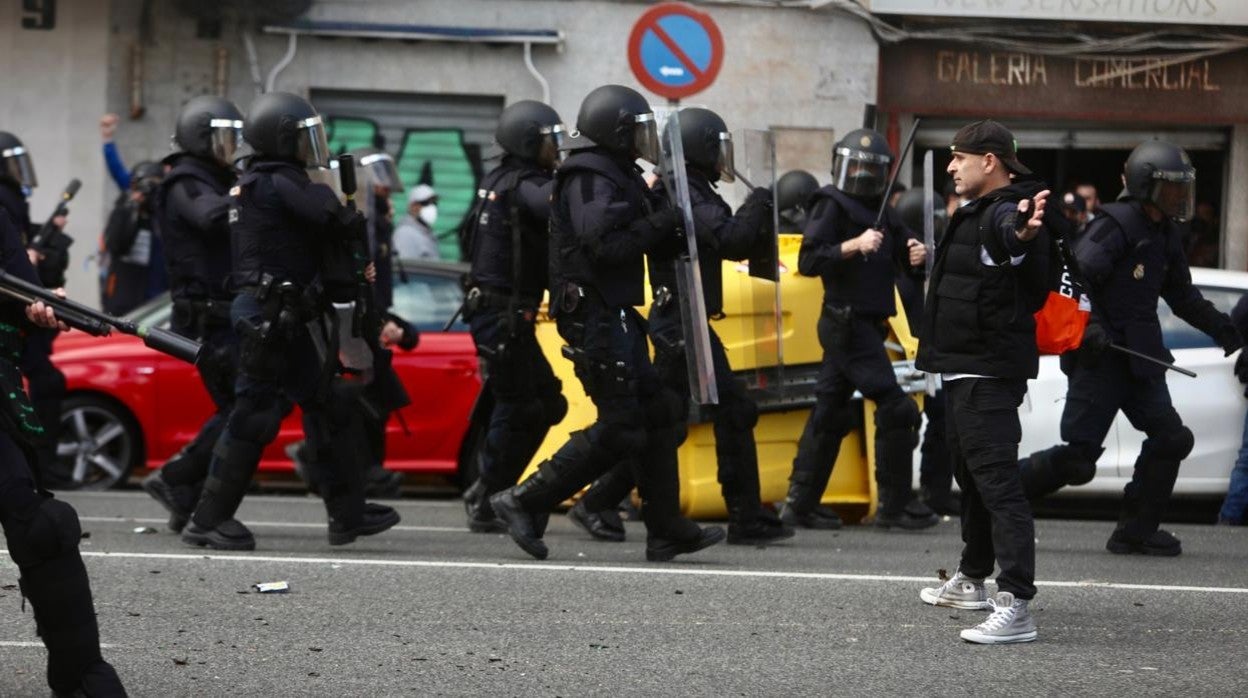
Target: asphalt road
{"points": [[430, 609]]}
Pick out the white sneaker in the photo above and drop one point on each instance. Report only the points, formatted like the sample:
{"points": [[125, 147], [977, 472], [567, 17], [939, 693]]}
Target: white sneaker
{"points": [[1010, 622], [960, 591]]}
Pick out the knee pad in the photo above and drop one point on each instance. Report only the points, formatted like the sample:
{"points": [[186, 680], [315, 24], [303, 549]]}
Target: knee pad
{"points": [[897, 414], [665, 408], [832, 419], [256, 419], [1174, 444], [49, 531]]}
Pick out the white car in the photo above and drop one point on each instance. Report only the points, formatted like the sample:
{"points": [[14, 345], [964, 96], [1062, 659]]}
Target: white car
{"points": [[1212, 405]]}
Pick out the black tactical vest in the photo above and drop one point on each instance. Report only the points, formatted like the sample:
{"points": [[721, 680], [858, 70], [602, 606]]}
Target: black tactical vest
{"points": [[198, 260], [507, 249], [619, 286]]}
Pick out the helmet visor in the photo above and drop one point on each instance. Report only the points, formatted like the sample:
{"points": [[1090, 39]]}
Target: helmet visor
{"points": [[549, 151], [646, 138], [727, 166], [383, 171], [312, 145], [16, 163], [225, 137], [859, 173], [1174, 192]]}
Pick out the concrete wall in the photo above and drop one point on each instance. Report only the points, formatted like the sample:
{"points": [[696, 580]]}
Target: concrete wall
{"points": [[54, 84]]}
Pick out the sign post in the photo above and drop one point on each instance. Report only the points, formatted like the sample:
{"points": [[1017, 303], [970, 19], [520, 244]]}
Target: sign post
{"points": [[676, 50]]}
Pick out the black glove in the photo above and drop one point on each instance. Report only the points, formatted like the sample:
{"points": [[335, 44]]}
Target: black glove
{"points": [[1241, 368], [1095, 340], [1228, 338], [659, 229]]}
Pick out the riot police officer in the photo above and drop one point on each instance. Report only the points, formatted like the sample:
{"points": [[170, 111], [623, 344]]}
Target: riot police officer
{"points": [[379, 177], [42, 533], [1130, 255], [191, 207], [506, 240], [603, 221], [47, 383], [793, 192], [292, 257], [721, 235], [857, 264]]}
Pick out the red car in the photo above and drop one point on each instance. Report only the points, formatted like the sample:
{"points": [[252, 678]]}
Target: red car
{"points": [[130, 407]]}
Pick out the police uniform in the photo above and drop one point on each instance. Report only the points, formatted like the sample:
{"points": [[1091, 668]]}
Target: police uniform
{"points": [[721, 235], [295, 250], [46, 382], [42, 533], [1128, 261], [191, 207], [858, 300], [508, 249]]}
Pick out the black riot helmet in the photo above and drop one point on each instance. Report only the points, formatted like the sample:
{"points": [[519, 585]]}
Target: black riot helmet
{"points": [[1162, 174], [532, 131], [910, 208], [15, 162], [211, 128], [619, 119], [707, 143], [381, 168], [282, 126], [145, 176], [793, 191], [861, 162]]}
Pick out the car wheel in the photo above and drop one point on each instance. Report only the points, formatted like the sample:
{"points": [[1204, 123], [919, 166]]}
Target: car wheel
{"points": [[99, 444]]}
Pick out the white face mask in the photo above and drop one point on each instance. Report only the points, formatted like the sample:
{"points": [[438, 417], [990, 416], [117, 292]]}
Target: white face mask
{"points": [[429, 214]]}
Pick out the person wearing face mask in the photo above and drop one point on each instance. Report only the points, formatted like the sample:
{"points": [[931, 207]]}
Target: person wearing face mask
{"points": [[413, 236]]}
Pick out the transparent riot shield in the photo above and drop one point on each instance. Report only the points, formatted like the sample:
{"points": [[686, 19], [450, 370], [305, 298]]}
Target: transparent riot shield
{"points": [[761, 321], [693, 318]]}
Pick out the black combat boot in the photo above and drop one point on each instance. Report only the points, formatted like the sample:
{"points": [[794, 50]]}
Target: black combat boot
{"points": [[802, 509], [1143, 505], [481, 517], [605, 525], [751, 523], [178, 500], [596, 512], [526, 526]]}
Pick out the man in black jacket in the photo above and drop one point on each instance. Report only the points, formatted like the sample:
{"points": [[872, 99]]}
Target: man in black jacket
{"points": [[979, 332]]}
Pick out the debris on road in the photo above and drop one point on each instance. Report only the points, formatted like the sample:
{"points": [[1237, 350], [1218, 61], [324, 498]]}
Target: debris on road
{"points": [[144, 530], [271, 587]]}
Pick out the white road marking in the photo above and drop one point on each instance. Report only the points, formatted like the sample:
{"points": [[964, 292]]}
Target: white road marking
{"points": [[657, 571], [25, 643], [269, 524]]}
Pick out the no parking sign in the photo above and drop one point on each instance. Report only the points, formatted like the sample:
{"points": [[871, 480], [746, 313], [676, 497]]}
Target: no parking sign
{"points": [[675, 50]]}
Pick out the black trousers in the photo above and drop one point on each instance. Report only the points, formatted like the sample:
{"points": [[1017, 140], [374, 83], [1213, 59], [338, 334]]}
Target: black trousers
{"points": [[997, 523]]}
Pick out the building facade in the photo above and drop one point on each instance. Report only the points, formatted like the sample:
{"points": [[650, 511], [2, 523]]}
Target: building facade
{"points": [[426, 80]]}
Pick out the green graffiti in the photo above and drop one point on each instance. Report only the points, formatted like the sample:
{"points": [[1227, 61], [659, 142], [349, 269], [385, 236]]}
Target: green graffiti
{"points": [[347, 133], [440, 156]]}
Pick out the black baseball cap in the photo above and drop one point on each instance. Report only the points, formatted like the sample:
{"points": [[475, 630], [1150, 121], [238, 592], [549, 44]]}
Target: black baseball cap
{"points": [[988, 136]]}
